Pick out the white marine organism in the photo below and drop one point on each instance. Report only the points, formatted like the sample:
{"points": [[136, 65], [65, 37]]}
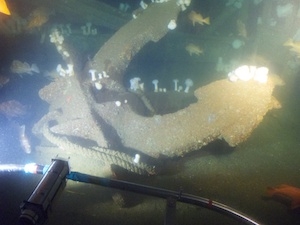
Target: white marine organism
{"points": [[175, 84], [188, 84], [137, 158], [172, 25], [246, 73], [60, 70], [123, 7], [88, 28], [155, 83], [261, 75], [98, 85], [105, 75], [135, 83], [94, 31], [84, 30], [70, 70], [237, 43], [143, 4], [92, 72], [118, 103], [55, 37]]}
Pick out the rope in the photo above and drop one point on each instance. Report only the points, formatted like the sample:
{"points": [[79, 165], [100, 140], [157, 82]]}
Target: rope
{"points": [[107, 156]]}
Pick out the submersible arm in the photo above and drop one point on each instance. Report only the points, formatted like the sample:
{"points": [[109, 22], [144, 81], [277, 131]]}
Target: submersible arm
{"points": [[35, 209]]}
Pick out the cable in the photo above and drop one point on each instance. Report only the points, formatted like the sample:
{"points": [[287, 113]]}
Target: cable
{"points": [[163, 193], [34, 211]]}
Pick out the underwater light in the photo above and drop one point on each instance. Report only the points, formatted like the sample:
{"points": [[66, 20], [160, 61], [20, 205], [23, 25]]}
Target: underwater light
{"points": [[35, 168], [35, 210], [27, 168]]}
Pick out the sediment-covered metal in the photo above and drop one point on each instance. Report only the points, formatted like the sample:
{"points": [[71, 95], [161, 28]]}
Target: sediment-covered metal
{"points": [[151, 25], [222, 110]]}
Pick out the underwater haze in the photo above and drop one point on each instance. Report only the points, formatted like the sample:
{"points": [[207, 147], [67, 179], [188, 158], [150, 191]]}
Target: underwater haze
{"points": [[197, 97]]}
